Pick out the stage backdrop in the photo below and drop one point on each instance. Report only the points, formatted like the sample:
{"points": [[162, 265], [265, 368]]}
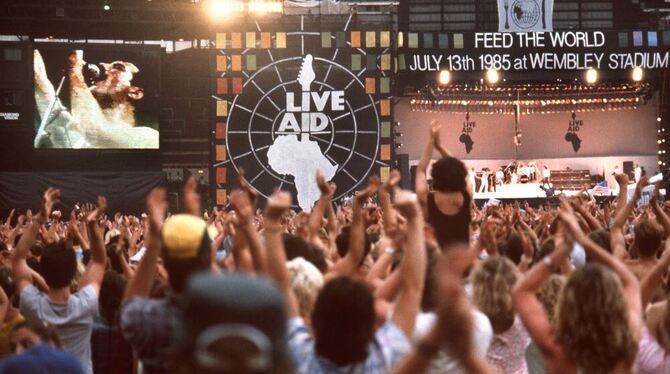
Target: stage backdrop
{"points": [[630, 134], [291, 100]]}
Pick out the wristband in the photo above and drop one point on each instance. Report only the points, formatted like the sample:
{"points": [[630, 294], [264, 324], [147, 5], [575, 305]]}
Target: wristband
{"points": [[526, 258], [389, 251]]}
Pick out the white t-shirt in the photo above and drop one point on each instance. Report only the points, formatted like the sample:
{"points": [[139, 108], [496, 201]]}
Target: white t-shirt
{"points": [[443, 363]]}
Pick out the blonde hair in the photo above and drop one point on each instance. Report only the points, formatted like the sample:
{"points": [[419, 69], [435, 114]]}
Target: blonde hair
{"points": [[306, 282], [492, 283], [592, 321], [548, 293]]}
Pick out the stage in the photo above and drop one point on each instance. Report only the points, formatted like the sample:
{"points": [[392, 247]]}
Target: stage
{"points": [[529, 192]]}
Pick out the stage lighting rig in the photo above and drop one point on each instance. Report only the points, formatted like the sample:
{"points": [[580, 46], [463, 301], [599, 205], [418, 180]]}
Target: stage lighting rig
{"points": [[444, 77], [591, 76], [219, 10], [492, 76]]}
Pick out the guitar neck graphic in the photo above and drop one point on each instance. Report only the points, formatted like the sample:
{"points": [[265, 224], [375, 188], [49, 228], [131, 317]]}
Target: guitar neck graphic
{"points": [[306, 74]]}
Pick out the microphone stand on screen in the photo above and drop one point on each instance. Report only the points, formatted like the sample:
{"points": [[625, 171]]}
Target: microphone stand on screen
{"points": [[41, 131]]}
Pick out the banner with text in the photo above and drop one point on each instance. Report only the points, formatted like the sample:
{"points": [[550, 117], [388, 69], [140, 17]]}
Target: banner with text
{"points": [[536, 51]]}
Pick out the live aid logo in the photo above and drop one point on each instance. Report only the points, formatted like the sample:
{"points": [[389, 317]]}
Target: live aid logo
{"points": [[300, 119]]}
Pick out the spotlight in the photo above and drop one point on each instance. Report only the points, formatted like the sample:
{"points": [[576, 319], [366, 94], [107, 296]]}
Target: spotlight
{"points": [[591, 76], [659, 119], [444, 77], [106, 6], [492, 76], [638, 74], [399, 145]]}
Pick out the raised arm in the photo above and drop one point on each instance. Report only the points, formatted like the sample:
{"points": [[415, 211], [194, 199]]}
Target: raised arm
{"points": [[631, 286], [96, 268], [622, 181], [437, 142], [389, 217], [653, 278], [617, 229], [245, 214], [277, 204], [593, 223], [316, 216], [191, 198], [421, 179], [529, 308], [658, 211], [140, 284], [454, 329], [22, 272], [413, 265], [350, 263]]}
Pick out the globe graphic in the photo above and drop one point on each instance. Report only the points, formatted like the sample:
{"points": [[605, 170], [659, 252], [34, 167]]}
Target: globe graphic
{"points": [[526, 13]]}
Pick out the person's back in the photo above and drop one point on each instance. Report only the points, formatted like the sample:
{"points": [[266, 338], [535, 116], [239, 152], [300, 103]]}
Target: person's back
{"points": [[71, 313], [111, 352], [147, 323], [507, 350], [74, 319], [345, 340], [449, 215]]}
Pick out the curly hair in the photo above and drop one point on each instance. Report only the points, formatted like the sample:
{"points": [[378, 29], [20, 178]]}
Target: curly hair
{"points": [[592, 321], [492, 282], [449, 175], [548, 293]]}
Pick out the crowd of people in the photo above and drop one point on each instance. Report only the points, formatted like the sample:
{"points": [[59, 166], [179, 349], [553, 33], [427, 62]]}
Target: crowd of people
{"points": [[390, 282]]}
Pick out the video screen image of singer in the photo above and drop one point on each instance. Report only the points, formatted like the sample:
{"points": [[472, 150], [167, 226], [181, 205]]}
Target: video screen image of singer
{"points": [[96, 97]]}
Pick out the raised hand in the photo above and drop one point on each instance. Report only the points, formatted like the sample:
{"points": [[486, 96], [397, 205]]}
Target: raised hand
{"points": [[191, 197], [246, 187], [49, 199], [435, 128], [96, 214], [156, 208], [369, 191], [243, 206], [278, 203], [327, 189], [392, 181], [622, 179], [407, 204]]}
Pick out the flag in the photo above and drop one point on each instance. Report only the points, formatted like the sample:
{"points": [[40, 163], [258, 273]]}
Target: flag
{"points": [[601, 188], [525, 15]]}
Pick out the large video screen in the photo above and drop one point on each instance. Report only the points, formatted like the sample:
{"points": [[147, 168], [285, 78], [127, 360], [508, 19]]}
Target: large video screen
{"points": [[96, 96]]}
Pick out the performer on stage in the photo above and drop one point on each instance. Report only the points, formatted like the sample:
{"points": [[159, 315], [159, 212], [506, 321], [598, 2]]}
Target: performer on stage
{"points": [[500, 176], [472, 178], [484, 180], [533, 171], [638, 172], [546, 174]]}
